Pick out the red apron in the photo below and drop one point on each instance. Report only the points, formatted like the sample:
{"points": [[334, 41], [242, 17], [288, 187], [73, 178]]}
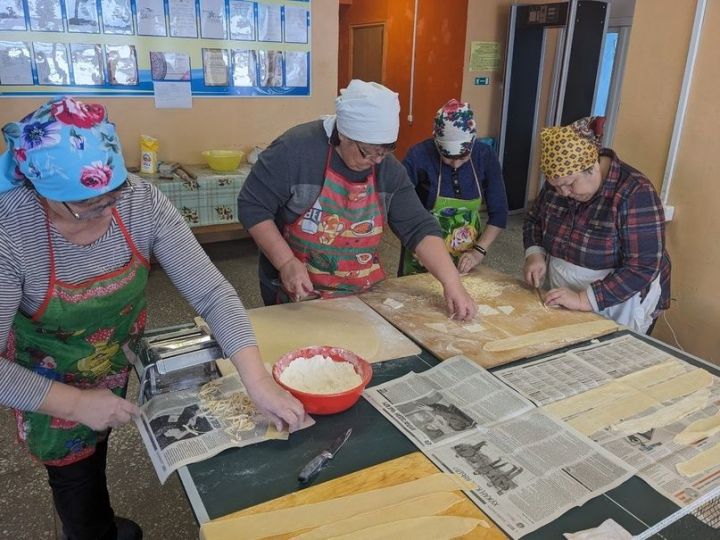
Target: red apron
{"points": [[338, 238]]}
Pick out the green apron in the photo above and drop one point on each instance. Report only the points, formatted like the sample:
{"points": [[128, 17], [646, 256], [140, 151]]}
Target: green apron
{"points": [[78, 337], [459, 221]]}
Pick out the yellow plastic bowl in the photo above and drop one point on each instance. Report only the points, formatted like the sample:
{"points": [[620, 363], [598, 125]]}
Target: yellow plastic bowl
{"points": [[223, 160]]}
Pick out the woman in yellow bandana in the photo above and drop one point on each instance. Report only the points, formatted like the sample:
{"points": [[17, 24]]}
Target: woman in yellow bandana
{"points": [[597, 230]]}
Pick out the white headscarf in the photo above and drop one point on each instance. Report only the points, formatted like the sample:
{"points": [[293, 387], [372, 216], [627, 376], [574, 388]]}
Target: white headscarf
{"points": [[367, 112]]}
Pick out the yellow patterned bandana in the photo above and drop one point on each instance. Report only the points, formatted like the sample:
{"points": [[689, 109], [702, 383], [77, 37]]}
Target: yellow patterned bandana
{"points": [[565, 152]]}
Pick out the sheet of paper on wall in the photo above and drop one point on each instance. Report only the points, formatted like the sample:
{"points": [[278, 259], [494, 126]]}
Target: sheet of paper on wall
{"points": [[52, 63], [215, 67], [117, 17], [269, 25], [296, 68], [87, 64], [172, 95], [150, 18], [484, 56], [183, 19], [45, 16], [242, 20], [212, 19], [244, 72], [82, 16], [15, 63], [270, 68], [12, 15], [296, 25], [169, 66], [122, 64]]}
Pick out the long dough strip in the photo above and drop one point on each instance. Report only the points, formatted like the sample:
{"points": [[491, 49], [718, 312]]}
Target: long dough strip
{"points": [[306, 516], [427, 505], [424, 528], [567, 333]]}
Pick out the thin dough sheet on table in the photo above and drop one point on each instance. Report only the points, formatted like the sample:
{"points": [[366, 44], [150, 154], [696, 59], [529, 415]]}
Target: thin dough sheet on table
{"points": [[345, 322], [511, 322]]}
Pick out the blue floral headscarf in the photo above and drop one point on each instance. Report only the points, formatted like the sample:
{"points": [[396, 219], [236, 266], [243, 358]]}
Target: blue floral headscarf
{"points": [[454, 129], [67, 149]]}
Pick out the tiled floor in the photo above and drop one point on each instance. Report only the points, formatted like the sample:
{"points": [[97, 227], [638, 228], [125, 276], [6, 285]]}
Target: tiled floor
{"points": [[26, 510]]}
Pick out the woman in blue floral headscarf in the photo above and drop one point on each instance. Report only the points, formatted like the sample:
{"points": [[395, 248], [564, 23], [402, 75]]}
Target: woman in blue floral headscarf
{"points": [[76, 235], [456, 178]]}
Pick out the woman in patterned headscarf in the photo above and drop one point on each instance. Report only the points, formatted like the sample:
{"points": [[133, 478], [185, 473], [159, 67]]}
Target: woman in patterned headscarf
{"points": [[597, 229], [455, 177], [76, 235]]}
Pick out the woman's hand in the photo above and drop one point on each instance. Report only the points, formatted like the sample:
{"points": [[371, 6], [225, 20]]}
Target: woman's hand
{"points": [[295, 279], [535, 269], [460, 304], [100, 409], [469, 260], [276, 404], [576, 301]]}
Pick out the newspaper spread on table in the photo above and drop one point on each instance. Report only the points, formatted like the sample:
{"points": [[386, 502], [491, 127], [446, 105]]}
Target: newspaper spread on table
{"points": [[529, 467], [657, 413], [188, 426]]}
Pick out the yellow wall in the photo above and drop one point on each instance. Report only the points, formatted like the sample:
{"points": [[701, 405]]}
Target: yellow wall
{"points": [[656, 61], [219, 122]]}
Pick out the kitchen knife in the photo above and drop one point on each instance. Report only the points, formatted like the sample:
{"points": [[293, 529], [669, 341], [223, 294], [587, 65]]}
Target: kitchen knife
{"points": [[316, 464]]}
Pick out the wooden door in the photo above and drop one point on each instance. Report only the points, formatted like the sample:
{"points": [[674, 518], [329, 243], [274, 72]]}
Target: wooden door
{"points": [[366, 52]]}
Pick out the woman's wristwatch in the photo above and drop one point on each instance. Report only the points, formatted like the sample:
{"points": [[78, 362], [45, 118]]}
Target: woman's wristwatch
{"points": [[480, 249]]}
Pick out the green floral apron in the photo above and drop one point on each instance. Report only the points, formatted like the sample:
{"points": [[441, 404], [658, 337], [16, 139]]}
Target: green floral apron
{"points": [[79, 337], [459, 221]]}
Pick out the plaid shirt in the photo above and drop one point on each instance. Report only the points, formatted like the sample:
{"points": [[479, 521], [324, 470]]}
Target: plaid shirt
{"points": [[621, 227]]}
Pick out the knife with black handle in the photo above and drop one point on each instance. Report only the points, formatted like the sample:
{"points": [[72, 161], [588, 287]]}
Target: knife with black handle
{"points": [[316, 464]]}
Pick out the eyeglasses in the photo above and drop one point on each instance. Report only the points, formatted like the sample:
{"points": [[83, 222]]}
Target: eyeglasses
{"points": [[94, 207], [368, 154]]}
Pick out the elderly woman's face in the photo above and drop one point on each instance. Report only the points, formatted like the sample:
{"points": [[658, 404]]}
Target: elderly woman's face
{"points": [[580, 186], [359, 156]]}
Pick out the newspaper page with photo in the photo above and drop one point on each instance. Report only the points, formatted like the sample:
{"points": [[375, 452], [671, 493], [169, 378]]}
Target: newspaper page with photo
{"points": [[529, 467], [658, 414], [188, 426]]}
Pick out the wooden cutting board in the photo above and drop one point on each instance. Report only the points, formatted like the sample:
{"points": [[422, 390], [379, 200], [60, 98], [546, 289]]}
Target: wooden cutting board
{"points": [[345, 322], [390, 473], [507, 309]]}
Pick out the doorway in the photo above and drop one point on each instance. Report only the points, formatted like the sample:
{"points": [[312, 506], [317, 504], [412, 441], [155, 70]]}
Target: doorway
{"points": [[367, 52]]}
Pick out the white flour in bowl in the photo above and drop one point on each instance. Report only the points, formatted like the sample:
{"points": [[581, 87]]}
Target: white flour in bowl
{"points": [[320, 375]]}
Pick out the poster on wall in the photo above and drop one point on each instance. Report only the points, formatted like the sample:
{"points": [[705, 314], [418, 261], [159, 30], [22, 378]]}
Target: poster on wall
{"points": [[117, 17], [52, 63], [82, 16], [12, 15], [15, 65], [45, 16], [221, 48]]}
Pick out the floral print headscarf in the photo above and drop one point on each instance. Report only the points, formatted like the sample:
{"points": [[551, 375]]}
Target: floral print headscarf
{"points": [[67, 149], [454, 129]]}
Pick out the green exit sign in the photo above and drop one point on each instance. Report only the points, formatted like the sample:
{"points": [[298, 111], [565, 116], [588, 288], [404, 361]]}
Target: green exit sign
{"points": [[482, 81]]}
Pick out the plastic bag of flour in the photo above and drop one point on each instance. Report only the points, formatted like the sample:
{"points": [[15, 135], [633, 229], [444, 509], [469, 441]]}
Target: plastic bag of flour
{"points": [[149, 147]]}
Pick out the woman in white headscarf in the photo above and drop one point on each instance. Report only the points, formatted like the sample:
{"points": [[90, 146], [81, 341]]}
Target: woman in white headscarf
{"points": [[319, 198]]}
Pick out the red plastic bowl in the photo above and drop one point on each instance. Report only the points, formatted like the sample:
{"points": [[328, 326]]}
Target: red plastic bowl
{"points": [[326, 403]]}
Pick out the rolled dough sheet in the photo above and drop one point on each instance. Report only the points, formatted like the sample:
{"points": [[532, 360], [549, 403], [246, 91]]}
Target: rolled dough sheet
{"points": [[484, 309], [427, 505], [698, 430], [424, 528], [682, 385], [570, 332], [306, 516], [342, 322], [704, 461]]}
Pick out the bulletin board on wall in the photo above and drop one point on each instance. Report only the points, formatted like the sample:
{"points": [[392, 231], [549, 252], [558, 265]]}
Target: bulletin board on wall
{"points": [[125, 47]]}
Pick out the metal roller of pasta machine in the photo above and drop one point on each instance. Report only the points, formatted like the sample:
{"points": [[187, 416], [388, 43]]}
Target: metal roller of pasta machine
{"points": [[177, 358]]}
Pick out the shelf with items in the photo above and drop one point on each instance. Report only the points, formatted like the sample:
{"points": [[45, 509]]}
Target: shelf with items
{"points": [[208, 202]]}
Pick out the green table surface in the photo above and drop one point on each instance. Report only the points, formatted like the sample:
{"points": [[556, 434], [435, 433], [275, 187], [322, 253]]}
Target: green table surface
{"points": [[243, 477]]}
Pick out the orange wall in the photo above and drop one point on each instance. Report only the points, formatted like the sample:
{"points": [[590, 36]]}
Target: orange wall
{"points": [[219, 122], [651, 87], [440, 45]]}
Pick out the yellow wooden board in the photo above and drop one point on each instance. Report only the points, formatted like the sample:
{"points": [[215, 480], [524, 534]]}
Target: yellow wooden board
{"points": [[507, 309], [390, 473], [341, 322]]}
